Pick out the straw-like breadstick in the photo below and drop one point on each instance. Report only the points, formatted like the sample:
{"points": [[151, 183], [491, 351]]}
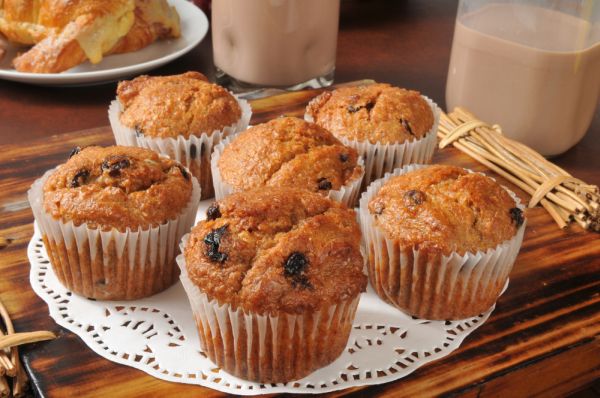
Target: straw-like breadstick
{"points": [[15, 339], [4, 388], [14, 354], [566, 198], [6, 366], [20, 383]]}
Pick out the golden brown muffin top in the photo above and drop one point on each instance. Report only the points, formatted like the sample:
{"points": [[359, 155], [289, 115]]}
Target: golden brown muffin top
{"points": [[447, 209], [378, 113], [117, 187], [291, 152], [168, 106], [274, 250]]}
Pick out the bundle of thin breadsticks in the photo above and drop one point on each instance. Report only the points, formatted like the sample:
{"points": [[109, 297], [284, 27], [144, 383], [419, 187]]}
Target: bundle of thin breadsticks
{"points": [[13, 379], [565, 197]]}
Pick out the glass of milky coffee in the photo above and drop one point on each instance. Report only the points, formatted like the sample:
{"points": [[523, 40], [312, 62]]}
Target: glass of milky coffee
{"points": [[287, 44], [531, 66]]}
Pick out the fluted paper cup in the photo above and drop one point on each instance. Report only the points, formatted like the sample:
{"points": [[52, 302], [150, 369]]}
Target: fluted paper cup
{"points": [[429, 285], [347, 194], [112, 265], [383, 158], [193, 152], [268, 348]]}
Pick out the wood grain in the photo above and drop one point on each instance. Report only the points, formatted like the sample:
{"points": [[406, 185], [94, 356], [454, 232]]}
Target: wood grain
{"points": [[544, 335]]}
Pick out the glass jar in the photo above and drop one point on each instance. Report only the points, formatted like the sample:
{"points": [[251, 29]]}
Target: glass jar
{"points": [[531, 66]]}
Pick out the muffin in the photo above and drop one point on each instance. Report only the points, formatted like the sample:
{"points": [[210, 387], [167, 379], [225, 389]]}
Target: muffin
{"points": [[287, 152], [111, 219], [181, 116], [274, 277], [440, 240], [389, 126]]}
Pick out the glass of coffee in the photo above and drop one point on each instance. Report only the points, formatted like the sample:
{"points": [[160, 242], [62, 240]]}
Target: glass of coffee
{"points": [[287, 44], [531, 66]]}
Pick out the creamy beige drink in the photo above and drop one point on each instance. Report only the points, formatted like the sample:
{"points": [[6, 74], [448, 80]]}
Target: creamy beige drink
{"points": [[534, 71], [275, 42]]}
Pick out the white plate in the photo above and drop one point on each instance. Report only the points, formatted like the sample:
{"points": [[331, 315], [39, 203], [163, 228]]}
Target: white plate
{"points": [[194, 26]]}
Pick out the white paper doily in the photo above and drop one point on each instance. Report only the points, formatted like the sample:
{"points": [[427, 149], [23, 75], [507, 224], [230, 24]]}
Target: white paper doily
{"points": [[158, 336]]}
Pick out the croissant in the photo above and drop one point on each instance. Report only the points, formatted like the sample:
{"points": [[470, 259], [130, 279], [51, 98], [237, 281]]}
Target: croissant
{"points": [[66, 33]]}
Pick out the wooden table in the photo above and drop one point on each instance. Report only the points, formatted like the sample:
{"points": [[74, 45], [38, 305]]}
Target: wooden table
{"points": [[543, 337]]}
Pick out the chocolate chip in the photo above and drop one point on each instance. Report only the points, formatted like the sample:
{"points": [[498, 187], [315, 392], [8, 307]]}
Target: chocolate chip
{"points": [[368, 106], [516, 215], [294, 268], [414, 197], [138, 131], [114, 164], [212, 241], [343, 157], [193, 151], [379, 207], [323, 184], [184, 172], [79, 179], [74, 151], [295, 264], [406, 126], [213, 212]]}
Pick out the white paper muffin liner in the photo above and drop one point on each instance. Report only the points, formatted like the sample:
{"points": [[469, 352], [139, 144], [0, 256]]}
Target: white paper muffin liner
{"points": [[431, 286], [347, 194], [268, 348], [193, 152], [383, 158], [112, 265]]}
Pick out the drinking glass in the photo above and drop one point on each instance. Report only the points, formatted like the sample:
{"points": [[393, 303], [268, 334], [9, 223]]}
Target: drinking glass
{"points": [[274, 43]]}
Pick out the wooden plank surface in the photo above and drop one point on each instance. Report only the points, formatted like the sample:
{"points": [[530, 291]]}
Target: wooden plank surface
{"points": [[543, 338]]}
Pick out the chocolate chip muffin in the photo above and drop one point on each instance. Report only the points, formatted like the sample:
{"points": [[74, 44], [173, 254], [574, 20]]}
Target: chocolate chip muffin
{"points": [[454, 234], [378, 113], [181, 116], [446, 209], [117, 187], [283, 259], [111, 218], [288, 152], [389, 126], [169, 106]]}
